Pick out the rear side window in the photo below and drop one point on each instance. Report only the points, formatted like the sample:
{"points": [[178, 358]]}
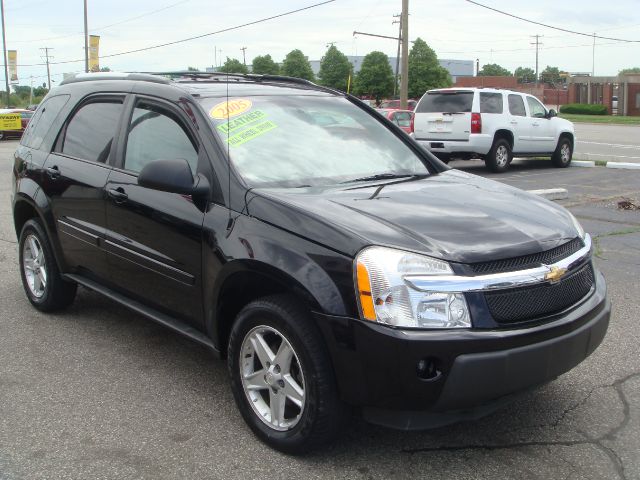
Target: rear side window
{"points": [[453, 102], [490, 102], [42, 120], [90, 132], [157, 134], [403, 119], [516, 106]]}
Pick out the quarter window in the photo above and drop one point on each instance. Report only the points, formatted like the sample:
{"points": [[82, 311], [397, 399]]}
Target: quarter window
{"points": [[42, 120], [157, 134], [490, 102], [536, 109], [90, 132], [516, 106]]}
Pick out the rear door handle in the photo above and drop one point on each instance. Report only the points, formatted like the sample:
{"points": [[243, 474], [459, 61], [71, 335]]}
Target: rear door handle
{"points": [[118, 194], [513, 122], [535, 124], [53, 172]]}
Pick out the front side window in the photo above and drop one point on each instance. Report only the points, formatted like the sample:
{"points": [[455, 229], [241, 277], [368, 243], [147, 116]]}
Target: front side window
{"points": [[42, 120], [157, 134], [516, 106], [90, 132], [307, 140], [490, 102], [536, 109]]}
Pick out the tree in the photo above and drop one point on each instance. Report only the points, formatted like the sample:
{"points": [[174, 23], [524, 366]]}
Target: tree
{"points": [[264, 65], [335, 69], [375, 77], [21, 91], [233, 65], [192, 69], [425, 72], [550, 75], [629, 70], [493, 70], [296, 65], [525, 75], [40, 91], [105, 69]]}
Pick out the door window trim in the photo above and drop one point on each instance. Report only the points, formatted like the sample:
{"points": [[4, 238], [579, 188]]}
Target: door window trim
{"points": [[94, 98]]}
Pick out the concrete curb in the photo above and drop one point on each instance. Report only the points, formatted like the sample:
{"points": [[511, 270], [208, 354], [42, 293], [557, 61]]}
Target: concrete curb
{"points": [[626, 165], [552, 193], [583, 163]]}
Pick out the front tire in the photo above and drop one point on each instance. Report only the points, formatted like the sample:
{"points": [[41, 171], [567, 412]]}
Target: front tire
{"points": [[41, 279], [561, 158], [281, 376], [499, 157]]}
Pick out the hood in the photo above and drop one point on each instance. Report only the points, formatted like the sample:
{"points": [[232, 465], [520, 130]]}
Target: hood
{"points": [[453, 216]]}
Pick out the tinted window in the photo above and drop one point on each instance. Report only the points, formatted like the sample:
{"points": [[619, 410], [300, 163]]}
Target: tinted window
{"points": [[536, 109], [26, 115], [490, 102], [287, 141], [446, 102], [516, 106], [42, 120], [403, 119], [157, 134], [91, 130]]}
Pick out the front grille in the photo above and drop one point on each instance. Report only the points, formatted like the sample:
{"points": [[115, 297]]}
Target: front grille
{"points": [[528, 303], [529, 261]]}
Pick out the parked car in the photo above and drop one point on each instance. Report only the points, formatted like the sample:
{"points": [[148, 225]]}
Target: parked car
{"points": [[336, 267], [492, 125], [25, 116], [614, 102], [395, 104], [402, 118]]}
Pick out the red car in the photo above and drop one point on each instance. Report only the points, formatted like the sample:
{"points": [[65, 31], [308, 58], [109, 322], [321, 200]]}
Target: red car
{"points": [[25, 116], [402, 118], [395, 104]]}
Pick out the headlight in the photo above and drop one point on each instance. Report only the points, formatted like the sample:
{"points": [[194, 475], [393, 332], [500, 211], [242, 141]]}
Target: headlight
{"points": [[576, 224], [385, 297]]}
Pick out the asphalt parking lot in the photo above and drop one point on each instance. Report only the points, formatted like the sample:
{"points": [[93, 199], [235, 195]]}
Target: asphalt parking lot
{"points": [[100, 392]]}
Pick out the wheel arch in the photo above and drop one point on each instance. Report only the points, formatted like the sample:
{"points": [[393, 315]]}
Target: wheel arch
{"points": [[506, 134]]}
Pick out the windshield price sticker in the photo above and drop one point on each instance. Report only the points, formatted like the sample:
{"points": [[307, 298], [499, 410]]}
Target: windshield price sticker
{"points": [[251, 133], [230, 108], [10, 121], [241, 121]]}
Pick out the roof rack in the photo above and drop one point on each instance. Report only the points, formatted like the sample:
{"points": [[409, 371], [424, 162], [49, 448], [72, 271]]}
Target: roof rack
{"points": [[191, 75], [87, 77]]}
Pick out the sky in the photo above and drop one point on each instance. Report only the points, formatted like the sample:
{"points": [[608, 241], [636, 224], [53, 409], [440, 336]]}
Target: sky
{"points": [[455, 29]]}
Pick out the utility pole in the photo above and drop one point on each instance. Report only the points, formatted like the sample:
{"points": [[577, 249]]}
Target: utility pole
{"points": [[404, 79], [47, 59], [31, 91], [215, 58], [86, 43], [593, 56], [4, 53], [537, 44], [399, 22], [244, 49]]}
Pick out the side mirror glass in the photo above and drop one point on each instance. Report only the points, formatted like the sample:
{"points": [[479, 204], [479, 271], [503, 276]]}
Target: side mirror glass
{"points": [[173, 176], [552, 113]]}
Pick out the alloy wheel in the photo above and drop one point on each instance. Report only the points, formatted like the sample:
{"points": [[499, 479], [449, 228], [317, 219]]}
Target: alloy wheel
{"points": [[34, 265]]}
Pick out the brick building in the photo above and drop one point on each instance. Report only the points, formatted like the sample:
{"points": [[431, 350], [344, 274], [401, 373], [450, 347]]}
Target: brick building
{"points": [[601, 90]]}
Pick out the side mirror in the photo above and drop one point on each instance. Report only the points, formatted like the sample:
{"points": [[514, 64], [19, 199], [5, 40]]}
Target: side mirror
{"points": [[552, 113], [173, 176]]}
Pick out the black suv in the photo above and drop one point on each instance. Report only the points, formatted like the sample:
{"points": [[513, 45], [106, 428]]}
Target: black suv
{"points": [[333, 262]]}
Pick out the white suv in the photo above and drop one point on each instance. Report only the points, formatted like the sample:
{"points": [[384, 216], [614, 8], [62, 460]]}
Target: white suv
{"points": [[491, 124]]}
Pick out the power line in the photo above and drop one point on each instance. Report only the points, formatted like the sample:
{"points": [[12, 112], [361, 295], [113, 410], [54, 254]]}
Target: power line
{"points": [[175, 42], [590, 35]]}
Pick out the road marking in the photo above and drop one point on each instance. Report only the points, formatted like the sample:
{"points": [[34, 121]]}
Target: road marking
{"points": [[606, 155], [617, 145]]}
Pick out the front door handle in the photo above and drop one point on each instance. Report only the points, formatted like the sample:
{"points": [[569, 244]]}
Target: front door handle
{"points": [[118, 194], [513, 122], [53, 172]]}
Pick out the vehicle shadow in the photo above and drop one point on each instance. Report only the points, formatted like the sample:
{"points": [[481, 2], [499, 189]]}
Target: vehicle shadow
{"points": [[518, 165]]}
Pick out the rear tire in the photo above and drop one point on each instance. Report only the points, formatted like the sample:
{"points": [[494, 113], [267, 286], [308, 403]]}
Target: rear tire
{"points": [[561, 158], [41, 279], [311, 413], [499, 157]]}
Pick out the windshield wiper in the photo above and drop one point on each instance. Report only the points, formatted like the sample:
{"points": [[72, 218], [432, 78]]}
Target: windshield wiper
{"points": [[381, 176]]}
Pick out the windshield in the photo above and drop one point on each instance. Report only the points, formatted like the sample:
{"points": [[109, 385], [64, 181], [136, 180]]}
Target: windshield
{"points": [[452, 102], [295, 141]]}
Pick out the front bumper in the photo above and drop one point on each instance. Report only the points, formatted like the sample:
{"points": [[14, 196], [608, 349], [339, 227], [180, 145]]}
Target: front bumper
{"points": [[376, 366]]}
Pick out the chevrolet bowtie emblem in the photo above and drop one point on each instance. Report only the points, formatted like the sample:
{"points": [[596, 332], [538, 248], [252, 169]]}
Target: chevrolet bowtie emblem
{"points": [[555, 274]]}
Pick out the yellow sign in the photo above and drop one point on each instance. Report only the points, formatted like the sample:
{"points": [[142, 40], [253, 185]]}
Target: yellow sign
{"points": [[10, 121], [230, 109], [13, 66], [555, 274], [94, 58]]}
